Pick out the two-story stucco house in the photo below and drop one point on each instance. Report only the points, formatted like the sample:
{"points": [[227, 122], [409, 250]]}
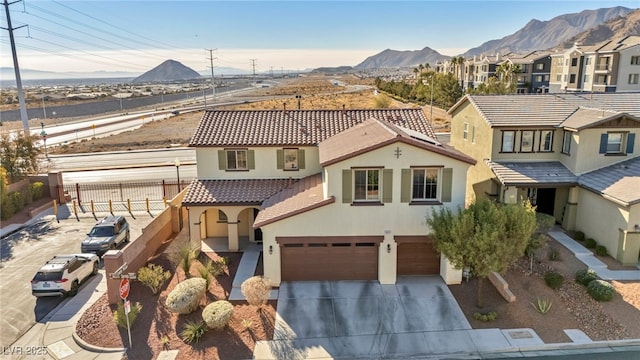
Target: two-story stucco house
{"points": [[575, 156], [330, 194]]}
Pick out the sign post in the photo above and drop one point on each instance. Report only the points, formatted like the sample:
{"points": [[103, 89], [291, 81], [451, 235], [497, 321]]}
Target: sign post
{"points": [[125, 286]]}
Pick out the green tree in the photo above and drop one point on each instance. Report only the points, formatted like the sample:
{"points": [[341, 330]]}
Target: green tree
{"points": [[18, 155], [485, 237], [447, 90]]}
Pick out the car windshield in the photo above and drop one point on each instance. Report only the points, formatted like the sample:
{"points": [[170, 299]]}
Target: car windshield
{"points": [[48, 276], [101, 231]]}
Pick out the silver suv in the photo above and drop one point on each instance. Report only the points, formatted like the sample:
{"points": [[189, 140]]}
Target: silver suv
{"points": [[63, 274], [108, 233]]}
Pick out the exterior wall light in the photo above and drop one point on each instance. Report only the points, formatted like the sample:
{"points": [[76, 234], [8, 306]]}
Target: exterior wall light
{"points": [[389, 248], [270, 249]]}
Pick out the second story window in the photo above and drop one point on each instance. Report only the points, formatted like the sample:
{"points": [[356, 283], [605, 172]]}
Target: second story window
{"points": [[617, 143], [614, 143], [508, 140], [237, 160], [633, 79], [366, 185], [635, 60], [465, 131], [425, 184], [291, 159], [566, 142], [526, 141], [546, 141]]}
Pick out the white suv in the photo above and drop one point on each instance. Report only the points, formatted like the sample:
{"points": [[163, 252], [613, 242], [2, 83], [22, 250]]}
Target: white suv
{"points": [[63, 274]]}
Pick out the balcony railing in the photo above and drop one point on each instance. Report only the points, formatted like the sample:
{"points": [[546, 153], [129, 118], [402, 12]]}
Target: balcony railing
{"points": [[603, 67]]}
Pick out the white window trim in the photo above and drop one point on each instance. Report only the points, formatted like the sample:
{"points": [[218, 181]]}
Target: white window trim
{"points": [[438, 184], [284, 160], [621, 143], [366, 200], [236, 151]]}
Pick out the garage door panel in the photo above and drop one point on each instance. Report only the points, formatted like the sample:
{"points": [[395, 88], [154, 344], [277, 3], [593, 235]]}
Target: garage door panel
{"points": [[339, 258], [417, 256]]}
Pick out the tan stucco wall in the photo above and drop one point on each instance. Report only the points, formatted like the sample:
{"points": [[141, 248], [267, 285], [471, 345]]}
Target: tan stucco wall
{"points": [[601, 219], [388, 220], [587, 152], [265, 162], [625, 68], [478, 176]]}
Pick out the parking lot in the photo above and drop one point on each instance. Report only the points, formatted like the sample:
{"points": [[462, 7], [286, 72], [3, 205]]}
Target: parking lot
{"points": [[23, 252]]}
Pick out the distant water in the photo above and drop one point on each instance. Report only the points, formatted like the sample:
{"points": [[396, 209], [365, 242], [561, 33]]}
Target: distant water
{"points": [[5, 84]]}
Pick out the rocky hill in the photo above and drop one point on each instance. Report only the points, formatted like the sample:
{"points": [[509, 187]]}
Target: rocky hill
{"points": [[396, 58], [615, 28], [541, 35], [169, 70]]}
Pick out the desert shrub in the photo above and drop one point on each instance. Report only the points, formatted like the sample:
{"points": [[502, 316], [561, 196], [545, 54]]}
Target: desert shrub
{"points": [[186, 296], [193, 331], [37, 190], [553, 279], [490, 316], [381, 101], [256, 290], [7, 209], [554, 254], [545, 222], [217, 314], [216, 267], [585, 276], [17, 199], [204, 273], [590, 243], [153, 276], [601, 250], [601, 290], [579, 235], [542, 306], [121, 318]]}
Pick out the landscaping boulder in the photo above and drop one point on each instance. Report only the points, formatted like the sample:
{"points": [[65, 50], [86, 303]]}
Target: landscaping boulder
{"points": [[217, 314], [186, 296]]}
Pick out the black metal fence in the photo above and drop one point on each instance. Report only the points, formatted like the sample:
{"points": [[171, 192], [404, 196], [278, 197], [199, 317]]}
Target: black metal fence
{"points": [[122, 192]]}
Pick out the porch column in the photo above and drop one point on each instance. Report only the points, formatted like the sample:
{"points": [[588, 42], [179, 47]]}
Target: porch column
{"points": [[570, 210], [234, 239], [252, 218], [509, 195], [628, 247]]}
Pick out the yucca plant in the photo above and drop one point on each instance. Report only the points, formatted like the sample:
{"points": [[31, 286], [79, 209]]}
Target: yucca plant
{"points": [[193, 331]]}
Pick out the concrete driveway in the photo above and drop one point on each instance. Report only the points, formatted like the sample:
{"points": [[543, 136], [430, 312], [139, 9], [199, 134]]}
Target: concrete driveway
{"points": [[334, 319]]}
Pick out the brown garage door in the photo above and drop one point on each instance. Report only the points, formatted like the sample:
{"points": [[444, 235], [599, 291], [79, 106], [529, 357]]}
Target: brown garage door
{"points": [[417, 256], [329, 258]]}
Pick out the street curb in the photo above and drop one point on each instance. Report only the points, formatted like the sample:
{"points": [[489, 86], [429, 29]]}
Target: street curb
{"points": [[92, 348]]}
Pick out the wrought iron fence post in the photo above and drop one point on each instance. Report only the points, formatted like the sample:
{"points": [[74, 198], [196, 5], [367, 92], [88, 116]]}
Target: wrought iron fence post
{"points": [[78, 194]]}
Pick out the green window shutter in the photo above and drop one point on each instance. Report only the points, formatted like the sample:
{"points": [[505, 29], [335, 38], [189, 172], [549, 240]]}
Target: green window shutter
{"points": [[301, 159], [346, 186], [604, 138], [405, 186], [447, 178], [280, 159], [631, 138], [387, 185], [222, 160], [251, 159]]}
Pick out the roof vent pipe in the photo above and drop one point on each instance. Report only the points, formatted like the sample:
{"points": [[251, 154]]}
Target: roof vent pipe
{"points": [[342, 112], [284, 108]]}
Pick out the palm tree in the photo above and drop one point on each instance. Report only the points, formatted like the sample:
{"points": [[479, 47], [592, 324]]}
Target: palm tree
{"points": [[421, 67]]}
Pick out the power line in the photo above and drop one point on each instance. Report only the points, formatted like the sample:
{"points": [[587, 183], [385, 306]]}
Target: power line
{"points": [[16, 68], [253, 65], [213, 79]]}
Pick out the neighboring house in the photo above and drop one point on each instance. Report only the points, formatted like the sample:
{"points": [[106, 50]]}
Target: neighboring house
{"points": [[609, 66], [331, 194], [575, 156], [535, 68]]}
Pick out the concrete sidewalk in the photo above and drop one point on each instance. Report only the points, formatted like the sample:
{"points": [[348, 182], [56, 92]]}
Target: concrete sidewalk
{"points": [[591, 261]]}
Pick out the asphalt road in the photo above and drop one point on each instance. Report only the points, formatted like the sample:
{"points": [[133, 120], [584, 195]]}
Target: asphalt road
{"points": [[21, 255]]}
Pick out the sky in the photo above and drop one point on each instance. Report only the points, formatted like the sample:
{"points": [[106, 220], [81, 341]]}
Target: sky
{"points": [[137, 35]]}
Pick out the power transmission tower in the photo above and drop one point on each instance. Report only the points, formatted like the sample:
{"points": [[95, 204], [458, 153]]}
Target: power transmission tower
{"points": [[213, 79], [16, 68], [253, 65]]}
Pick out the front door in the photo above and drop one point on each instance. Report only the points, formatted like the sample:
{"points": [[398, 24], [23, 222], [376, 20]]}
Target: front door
{"points": [[545, 200]]}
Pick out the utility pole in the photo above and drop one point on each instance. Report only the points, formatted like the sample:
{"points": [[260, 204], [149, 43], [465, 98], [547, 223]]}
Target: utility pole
{"points": [[213, 79], [16, 68]]}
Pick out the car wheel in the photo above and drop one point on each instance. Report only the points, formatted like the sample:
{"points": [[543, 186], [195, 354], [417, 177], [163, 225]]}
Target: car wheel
{"points": [[95, 268], [74, 288], [128, 238]]}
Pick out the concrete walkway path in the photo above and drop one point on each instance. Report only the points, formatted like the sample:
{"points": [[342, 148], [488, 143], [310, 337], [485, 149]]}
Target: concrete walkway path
{"points": [[586, 256], [246, 269]]}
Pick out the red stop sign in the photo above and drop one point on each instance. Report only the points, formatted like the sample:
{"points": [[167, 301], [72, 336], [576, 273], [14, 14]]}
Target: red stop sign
{"points": [[124, 289]]}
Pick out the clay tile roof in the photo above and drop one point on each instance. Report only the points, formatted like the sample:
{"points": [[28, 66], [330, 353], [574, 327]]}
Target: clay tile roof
{"points": [[619, 182], [306, 194], [293, 127], [233, 191]]}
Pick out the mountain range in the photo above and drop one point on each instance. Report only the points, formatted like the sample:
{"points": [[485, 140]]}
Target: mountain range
{"points": [[587, 27]]}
